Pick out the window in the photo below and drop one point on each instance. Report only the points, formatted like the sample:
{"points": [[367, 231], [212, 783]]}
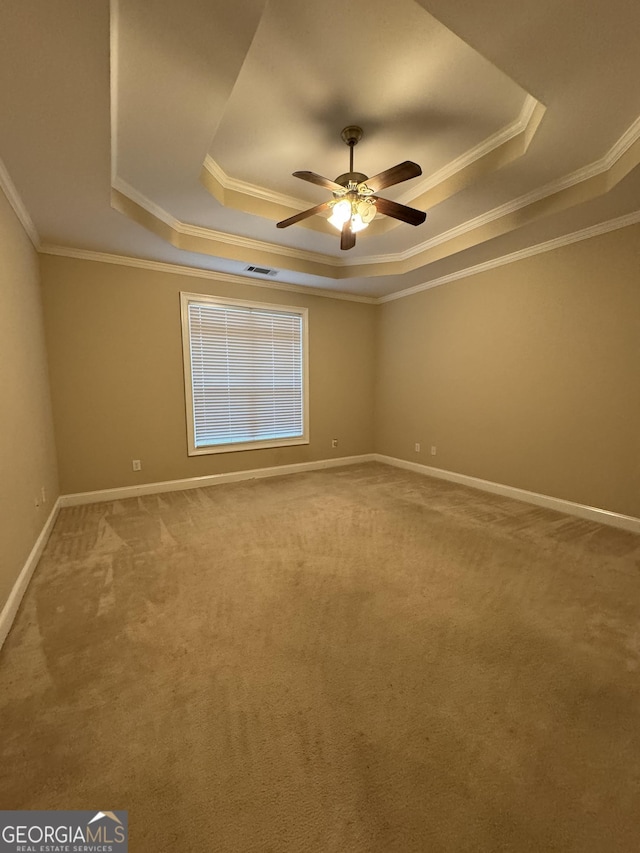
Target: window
{"points": [[246, 374]]}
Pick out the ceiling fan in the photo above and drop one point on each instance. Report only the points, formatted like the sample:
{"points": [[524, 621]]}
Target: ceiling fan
{"points": [[355, 203]]}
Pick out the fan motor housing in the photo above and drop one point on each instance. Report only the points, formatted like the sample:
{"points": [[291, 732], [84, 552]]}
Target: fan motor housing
{"points": [[350, 178]]}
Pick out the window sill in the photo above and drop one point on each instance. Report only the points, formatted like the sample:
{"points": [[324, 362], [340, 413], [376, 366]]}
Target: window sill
{"points": [[247, 445]]}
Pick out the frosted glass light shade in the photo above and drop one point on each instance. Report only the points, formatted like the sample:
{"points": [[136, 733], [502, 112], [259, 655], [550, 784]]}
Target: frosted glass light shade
{"points": [[340, 213], [357, 223], [361, 213]]}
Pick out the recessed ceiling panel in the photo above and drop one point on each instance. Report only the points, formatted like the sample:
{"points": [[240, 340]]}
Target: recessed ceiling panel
{"points": [[413, 86]]}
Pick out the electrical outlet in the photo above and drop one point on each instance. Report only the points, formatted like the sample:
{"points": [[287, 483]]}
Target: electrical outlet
{"points": [[43, 494], [416, 447], [137, 465], [334, 442], [433, 450]]}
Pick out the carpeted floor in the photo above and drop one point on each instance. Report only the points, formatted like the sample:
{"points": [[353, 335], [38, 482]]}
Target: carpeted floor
{"points": [[359, 660]]}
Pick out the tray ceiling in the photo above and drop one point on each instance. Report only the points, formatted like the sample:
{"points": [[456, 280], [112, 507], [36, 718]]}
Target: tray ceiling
{"points": [[168, 131]]}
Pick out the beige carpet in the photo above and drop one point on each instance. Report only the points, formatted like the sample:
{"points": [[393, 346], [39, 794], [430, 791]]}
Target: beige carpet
{"points": [[352, 660]]}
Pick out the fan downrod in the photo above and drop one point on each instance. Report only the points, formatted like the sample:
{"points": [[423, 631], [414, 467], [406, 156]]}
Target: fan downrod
{"points": [[351, 135]]}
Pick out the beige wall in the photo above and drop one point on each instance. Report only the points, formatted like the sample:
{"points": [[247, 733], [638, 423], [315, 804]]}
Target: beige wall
{"points": [[526, 375], [27, 452], [115, 357]]}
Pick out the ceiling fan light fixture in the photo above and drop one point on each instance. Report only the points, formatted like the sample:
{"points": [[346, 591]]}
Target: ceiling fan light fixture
{"points": [[367, 210], [340, 213], [359, 212], [358, 223], [355, 201]]}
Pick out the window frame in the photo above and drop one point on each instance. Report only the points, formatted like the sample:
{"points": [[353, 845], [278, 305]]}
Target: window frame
{"points": [[203, 298]]}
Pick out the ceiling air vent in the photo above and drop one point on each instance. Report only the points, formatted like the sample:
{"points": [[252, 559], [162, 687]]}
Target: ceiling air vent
{"points": [[261, 270]]}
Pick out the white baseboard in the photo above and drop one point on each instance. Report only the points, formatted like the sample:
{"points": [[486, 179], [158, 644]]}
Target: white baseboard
{"points": [[20, 586], [603, 516], [592, 513], [210, 480]]}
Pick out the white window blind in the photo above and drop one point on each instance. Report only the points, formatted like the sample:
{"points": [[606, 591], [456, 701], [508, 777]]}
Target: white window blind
{"points": [[246, 375]]}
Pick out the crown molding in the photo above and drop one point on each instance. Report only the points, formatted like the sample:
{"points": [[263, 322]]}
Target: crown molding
{"points": [[249, 243], [257, 245], [631, 135], [519, 125], [530, 109], [19, 208], [585, 173], [538, 249], [227, 182], [114, 63], [125, 188], [476, 153], [592, 170], [196, 272], [177, 269]]}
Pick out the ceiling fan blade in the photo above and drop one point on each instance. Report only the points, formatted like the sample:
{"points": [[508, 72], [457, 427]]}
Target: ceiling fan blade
{"points": [[394, 175], [320, 181], [400, 211], [347, 238], [305, 213]]}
